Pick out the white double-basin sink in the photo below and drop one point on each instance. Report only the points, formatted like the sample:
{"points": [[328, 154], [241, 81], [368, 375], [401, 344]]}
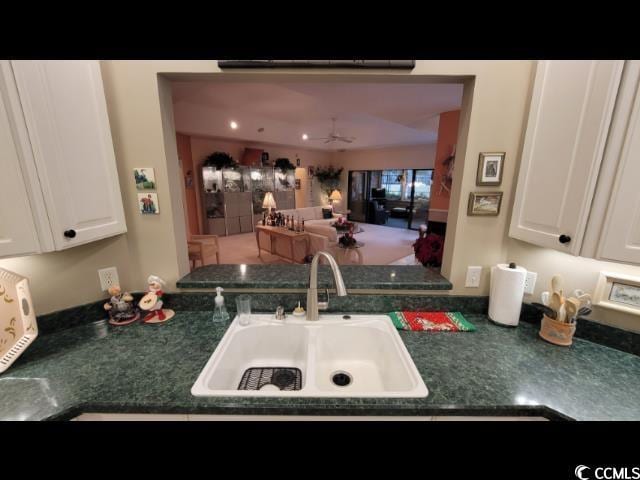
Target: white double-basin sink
{"points": [[336, 356]]}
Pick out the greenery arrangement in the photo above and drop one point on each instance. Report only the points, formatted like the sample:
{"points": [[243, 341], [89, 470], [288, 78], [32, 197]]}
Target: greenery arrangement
{"points": [[284, 164], [329, 177], [220, 160]]}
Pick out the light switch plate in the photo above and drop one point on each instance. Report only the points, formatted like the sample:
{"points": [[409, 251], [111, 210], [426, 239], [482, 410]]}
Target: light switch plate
{"points": [[473, 277], [108, 277]]}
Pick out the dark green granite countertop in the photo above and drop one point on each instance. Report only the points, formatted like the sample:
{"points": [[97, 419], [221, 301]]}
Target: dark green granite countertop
{"points": [[151, 368], [395, 277]]}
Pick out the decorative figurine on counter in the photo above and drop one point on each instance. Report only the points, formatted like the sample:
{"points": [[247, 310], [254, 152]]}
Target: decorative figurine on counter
{"points": [[120, 306], [152, 302]]}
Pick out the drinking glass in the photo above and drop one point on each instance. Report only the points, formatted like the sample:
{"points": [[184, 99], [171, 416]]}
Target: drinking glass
{"points": [[243, 306]]}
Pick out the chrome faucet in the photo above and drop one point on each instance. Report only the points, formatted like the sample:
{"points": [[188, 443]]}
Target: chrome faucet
{"points": [[312, 293]]}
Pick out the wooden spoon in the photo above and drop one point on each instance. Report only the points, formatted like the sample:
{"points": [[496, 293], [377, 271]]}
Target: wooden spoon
{"points": [[571, 306], [556, 301], [556, 284]]}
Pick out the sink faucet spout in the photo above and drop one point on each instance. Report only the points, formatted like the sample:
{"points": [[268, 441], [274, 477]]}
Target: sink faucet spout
{"points": [[312, 293]]}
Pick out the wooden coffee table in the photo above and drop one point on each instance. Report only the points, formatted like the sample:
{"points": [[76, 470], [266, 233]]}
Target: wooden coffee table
{"points": [[291, 236]]}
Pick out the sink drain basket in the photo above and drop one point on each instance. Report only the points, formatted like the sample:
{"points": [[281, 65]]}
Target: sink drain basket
{"points": [[284, 378]]}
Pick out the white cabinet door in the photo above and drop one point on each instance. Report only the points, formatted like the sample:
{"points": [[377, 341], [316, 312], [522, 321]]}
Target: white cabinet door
{"points": [[18, 234], [570, 113], [66, 116], [620, 237]]}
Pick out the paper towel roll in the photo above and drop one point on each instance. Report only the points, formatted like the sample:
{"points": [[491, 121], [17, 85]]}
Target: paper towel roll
{"points": [[506, 293]]}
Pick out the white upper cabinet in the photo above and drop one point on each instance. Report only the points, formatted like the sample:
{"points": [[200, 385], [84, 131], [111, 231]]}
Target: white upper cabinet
{"points": [[619, 227], [571, 108], [59, 185], [66, 117], [18, 233]]}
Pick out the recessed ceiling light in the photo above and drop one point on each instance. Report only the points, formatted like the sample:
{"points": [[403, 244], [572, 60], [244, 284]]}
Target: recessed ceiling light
{"points": [[233, 125], [305, 136]]}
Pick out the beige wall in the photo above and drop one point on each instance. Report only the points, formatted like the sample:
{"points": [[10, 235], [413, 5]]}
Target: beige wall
{"points": [[414, 156], [494, 111], [137, 97], [577, 272]]}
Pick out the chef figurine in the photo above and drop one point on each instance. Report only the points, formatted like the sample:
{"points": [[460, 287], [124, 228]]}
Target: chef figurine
{"points": [[152, 302], [120, 307]]}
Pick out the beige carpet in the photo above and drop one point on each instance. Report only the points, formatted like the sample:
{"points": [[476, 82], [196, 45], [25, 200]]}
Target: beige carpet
{"points": [[383, 245]]}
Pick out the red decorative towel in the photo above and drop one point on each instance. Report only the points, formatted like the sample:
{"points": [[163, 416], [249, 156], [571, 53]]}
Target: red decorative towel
{"points": [[431, 321]]}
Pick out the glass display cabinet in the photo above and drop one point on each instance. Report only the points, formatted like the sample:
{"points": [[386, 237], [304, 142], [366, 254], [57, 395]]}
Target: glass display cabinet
{"points": [[232, 198]]}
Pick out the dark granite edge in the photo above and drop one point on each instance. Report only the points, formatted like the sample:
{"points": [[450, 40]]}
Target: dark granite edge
{"points": [[317, 410], [377, 285], [400, 277]]}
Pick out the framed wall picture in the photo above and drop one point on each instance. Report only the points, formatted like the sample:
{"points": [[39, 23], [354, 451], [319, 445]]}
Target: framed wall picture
{"points": [[148, 203], [490, 166], [617, 291], [484, 204], [298, 184], [145, 178]]}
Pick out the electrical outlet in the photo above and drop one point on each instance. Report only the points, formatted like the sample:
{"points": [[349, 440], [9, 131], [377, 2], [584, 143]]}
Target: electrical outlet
{"points": [[473, 277], [530, 282], [108, 277]]}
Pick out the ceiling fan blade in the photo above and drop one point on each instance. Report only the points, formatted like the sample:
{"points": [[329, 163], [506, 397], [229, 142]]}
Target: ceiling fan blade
{"points": [[329, 140], [345, 139]]}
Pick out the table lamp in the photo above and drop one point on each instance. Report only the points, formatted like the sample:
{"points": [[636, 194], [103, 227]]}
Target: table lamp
{"points": [[269, 202], [335, 197]]}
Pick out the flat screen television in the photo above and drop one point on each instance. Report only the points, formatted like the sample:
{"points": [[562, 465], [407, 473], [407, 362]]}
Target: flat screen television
{"points": [[378, 193]]}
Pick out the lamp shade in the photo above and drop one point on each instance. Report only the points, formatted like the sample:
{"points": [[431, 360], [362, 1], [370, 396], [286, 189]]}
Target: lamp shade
{"points": [[269, 201], [335, 196]]}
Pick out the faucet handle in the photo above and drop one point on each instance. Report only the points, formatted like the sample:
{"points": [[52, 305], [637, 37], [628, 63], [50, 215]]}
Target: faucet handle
{"points": [[280, 315], [324, 305]]}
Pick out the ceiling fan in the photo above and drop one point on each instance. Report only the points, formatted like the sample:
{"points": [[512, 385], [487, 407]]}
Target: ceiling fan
{"points": [[335, 136]]}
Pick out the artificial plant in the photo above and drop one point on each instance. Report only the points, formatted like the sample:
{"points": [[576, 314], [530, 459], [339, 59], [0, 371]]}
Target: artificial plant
{"points": [[329, 177], [220, 160], [284, 164]]}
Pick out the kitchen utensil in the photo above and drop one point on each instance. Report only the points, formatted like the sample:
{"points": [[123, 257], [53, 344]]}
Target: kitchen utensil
{"points": [[544, 296], [557, 284], [18, 327], [562, 314], [571, 306], [555, 302], [549, 312], [585, 300], [584, 312]]}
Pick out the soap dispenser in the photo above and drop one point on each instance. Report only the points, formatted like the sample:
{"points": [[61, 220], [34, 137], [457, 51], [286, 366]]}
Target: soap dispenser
{"points": [[220, 313]]}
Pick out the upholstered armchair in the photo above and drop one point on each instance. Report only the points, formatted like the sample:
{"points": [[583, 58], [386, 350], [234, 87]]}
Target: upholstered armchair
{"points": [[202, 248]]}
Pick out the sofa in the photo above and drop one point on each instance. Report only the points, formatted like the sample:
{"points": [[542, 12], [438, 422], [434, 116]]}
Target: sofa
{"points": [[322, 236]]}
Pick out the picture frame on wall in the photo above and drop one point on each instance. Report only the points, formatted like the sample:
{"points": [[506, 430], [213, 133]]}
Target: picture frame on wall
{"points": [[145, 178], [484, 204], [148, 204], [298, 184], [617, 291], [490, 167]]}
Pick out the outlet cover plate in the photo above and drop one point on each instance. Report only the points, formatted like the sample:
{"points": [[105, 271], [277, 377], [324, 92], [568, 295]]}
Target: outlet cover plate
{"points": [[108, 277], [473, 277], [530, 282]]}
